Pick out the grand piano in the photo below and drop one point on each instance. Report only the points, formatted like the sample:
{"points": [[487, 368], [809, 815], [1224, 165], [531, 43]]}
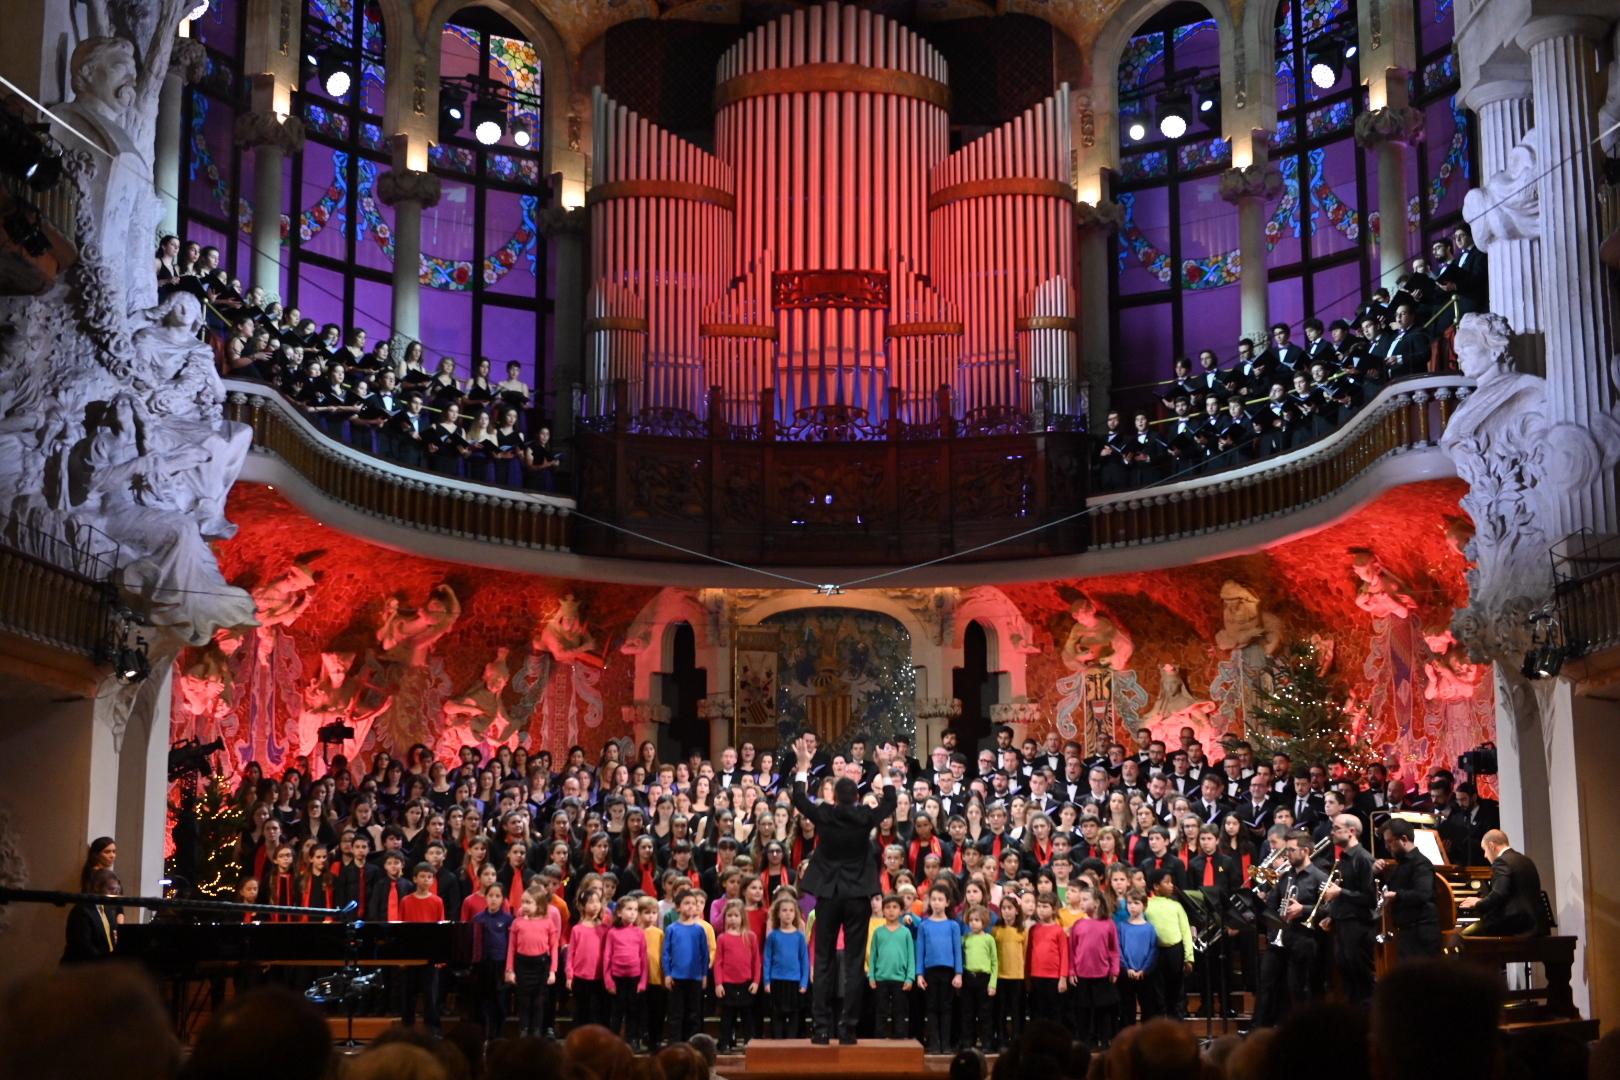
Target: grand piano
{"points": [[199, 956]]}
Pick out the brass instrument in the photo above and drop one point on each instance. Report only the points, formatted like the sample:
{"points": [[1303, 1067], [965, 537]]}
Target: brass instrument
{"points": [[1333, 879], [1266, 872], [1282, 909]]}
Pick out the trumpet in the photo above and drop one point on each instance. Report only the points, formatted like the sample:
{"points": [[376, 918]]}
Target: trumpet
{"points": [[1282, 909], [1266, 871], [1333, 879]]}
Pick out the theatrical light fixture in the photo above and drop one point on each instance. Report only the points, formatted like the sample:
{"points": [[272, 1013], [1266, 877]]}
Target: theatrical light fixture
{"points": [[452, 112], [488, 121], [1325, 63], [1548, 649], [1175, 113], [333, 71], [1349, 49], [1209, 101], [520, 136]]}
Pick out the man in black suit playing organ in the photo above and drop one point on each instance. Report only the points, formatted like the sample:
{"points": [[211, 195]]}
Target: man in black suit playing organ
{"points": [[1513, 906]]}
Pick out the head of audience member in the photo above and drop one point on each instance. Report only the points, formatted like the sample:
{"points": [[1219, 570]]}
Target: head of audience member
{"points": [[269, 1033], [598, 1054], [103, 1020], [1422, 998]]}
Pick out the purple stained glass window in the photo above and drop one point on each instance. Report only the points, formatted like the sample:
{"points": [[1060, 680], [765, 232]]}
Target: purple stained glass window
{"points": [[1434, 25], [447, 229], [1283, 223], [509, 335], [1144, 242], [1209, 237], [1448, 156], [373, 308], [1286, 301], [218, 28], [1337, 292], [210, 156], [1335, 217], [1145, 351], [323, 220], [1211, 321], [374, 243], [447, 326], [511, 237], [320, 295], [1204, 154], [458, 159]]}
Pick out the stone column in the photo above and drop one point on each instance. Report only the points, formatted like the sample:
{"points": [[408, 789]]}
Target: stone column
{"points": [[270, 138], [1096, 221], [718, 710], [1249, 189], [187, 62], [1576, 316], [1505, 211], [1388, 132], [645, 720], [409, 192], [564, 230]]}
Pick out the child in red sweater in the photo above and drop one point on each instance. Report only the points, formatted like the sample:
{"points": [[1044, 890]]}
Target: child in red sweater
{"points": [[422, 906], [1047, 963], [624, 972], [736, 975]]}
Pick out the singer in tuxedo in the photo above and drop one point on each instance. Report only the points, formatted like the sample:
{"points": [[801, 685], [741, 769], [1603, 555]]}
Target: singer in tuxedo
{"points": [[842, 876]]}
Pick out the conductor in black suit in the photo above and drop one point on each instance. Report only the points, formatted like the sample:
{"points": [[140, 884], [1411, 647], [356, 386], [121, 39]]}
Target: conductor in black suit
{"points": [[1513, 906], [843, 878]]}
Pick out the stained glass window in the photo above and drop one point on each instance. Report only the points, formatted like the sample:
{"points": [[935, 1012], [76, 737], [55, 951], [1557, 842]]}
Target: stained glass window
{"points": [[213, 172]]}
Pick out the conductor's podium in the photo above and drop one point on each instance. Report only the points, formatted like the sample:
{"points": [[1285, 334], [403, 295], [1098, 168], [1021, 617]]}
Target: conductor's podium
{"points": [[867, 1058]]}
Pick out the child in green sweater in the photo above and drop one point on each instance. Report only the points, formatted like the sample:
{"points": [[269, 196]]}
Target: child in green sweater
{"points": [[891, 963], [980, 967]]}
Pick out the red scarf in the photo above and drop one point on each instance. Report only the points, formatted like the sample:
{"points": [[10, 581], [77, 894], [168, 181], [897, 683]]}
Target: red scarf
{"points": [[649, 879], [781, 875], [885, 882], [799, 851], [1042, 858], [1186, 858], [916, 849]]}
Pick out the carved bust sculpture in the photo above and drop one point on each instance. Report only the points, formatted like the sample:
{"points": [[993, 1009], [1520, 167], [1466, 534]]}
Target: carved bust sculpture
{"points": [[1379, 592], [103, 81], [1243, 623], [1095, 642]]}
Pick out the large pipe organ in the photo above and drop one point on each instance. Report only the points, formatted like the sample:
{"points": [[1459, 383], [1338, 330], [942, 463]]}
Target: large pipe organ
{"points": [[832, 257]]}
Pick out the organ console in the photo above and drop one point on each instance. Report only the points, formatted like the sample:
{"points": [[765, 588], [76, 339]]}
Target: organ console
{"points": [[831, 249]]}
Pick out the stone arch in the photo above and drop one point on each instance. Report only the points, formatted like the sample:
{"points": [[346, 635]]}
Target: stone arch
{"points": [[651, 637], [1008, 636]]}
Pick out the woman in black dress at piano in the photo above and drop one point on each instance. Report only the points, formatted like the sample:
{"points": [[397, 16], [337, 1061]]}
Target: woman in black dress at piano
{"points": [[91, 929]]}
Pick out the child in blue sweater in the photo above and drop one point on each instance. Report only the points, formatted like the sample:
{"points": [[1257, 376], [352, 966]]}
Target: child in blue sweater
{"points": [[787, 967], [686, 964], [1138, 949], [939, 966]]}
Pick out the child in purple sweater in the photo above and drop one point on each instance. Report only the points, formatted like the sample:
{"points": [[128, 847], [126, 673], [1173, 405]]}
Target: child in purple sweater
{"points": [[624, 973]]}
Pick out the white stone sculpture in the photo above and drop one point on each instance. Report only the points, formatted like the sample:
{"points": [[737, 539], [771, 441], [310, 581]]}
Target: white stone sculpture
{"points": [[1518, 467], [1507, 206], [1378, 592], [1095, 642], [110, 412]]}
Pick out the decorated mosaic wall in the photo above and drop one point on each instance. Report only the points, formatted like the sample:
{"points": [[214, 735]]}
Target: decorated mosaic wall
{"points": [[357, 634]]}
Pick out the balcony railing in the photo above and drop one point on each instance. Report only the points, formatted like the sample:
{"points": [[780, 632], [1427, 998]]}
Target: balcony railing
{"points": [[1405, 416], [55, 592], [381, 489]]}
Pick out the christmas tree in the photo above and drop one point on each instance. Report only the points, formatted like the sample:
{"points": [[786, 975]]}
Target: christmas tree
{"points": [[1300, 711], [218, 829]]}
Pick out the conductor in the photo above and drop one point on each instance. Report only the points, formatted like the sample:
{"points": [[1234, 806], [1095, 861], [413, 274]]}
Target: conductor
{"points": [[842, 876]]}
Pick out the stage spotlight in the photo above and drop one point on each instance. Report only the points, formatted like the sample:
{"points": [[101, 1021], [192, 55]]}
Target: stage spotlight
{"points": [[1349, 49], [1325, 67], [520, 137], [452, 112], [1135, 129], [45, 170], [1209, 102], [488, 121], [333, 72], [1175, 111]]}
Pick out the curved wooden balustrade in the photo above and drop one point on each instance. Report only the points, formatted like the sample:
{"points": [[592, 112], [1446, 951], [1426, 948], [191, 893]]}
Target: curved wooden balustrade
{"points": [[1405, 416], [411, 497], [53, 605]]}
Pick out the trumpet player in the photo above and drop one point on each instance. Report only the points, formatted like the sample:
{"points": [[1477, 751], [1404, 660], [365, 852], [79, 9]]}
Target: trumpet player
{"points": [[1350, 898], [1408, 892], [1289, 953]]}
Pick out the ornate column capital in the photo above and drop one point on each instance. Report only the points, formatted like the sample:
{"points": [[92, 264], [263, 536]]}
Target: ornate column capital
{"points": [[1106, 215], [645, 712], [716, 707], [1391, 124], [556, 222], [939, 709], [254, 129], [1483, 94], [1261, 181], [1590, 28], [1016, 712], [408, 185], [188, 59]]}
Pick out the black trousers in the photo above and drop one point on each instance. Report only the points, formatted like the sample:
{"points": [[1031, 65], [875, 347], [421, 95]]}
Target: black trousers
{"points": [[686, 1006], [1353, 950], [940, 995], [423, 982], [590, 1002], [657, 1006], [787, 1010], [1414, 942], [1045, 1001], [978, 1010], [1009, 1011], [1137, 996], [489, 979], [894, 1009], [1168, 973], [736, 1010], [629, 1010], [851, 914], [1285, 977], [532, 990]]}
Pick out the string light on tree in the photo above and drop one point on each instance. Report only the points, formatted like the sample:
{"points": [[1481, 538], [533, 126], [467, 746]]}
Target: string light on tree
{"points": [[1300, 711]]}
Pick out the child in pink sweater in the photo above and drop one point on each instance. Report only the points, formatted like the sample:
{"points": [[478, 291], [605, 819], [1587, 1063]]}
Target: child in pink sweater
{"points": [[624, 973], [1094, 969], [585, 962], [531, 949], [736, 975]]}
